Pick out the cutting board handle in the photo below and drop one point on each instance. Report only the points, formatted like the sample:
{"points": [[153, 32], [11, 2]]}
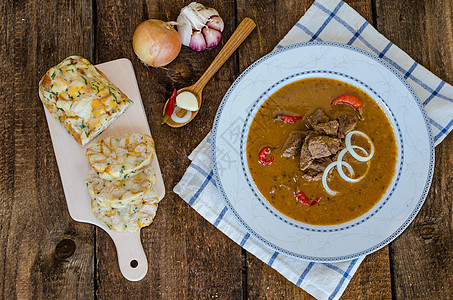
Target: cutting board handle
{"points": [[131, 257]]}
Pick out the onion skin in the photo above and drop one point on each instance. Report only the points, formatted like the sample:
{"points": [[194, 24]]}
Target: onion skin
{"points": [[156, 43]]}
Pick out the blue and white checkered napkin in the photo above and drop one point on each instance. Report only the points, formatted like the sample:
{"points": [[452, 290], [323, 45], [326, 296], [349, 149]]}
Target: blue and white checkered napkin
{"points": [[333, 21]]}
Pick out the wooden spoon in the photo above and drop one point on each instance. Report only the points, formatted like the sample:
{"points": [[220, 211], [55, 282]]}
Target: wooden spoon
{"points": [[236, 39]]}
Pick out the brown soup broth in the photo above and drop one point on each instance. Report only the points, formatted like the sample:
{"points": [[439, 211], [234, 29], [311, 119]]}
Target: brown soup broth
{"points": [[276, 181]]}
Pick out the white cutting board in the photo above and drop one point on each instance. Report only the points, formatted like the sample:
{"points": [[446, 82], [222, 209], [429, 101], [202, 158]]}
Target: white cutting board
{"points": [[73, 166]]}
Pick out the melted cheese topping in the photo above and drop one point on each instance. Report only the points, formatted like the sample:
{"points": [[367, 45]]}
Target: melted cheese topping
{"points": [[81, 98], [120, 157]]}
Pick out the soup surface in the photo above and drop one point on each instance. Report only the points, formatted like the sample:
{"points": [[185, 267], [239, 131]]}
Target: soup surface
{"points": [[279, 180]]}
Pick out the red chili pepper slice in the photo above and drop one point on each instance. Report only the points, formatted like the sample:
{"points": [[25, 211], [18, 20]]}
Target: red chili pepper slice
{"points": [[262, 156], [349, 100], [287, 118], [300, 196], [315, 201], [171, 103]]}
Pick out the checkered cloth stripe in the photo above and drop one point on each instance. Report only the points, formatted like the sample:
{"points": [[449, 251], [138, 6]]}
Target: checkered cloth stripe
{"points": [[335, 21]]}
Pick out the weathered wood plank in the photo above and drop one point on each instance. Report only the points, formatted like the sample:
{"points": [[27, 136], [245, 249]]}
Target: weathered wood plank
{"points": [[422, 256], [34, 219], [274, 19], [188, 257], [372, 279]]}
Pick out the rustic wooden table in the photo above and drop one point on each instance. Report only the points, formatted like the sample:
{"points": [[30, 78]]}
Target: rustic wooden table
{"points": [[45, 254]]}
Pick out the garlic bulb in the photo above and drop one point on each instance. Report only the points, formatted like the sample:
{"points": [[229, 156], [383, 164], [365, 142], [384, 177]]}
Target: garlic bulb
{"points": [[199, 27]]}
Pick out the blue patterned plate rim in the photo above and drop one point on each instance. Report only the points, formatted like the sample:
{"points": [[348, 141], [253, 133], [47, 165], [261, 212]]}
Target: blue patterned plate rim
{"points": [[257, 236]]}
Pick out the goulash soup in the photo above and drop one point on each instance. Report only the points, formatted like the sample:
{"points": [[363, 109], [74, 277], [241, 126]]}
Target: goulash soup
{"points": [[321, 151]]}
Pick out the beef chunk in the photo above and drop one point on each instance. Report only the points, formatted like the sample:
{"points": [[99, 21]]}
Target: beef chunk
{"points": [[319, 164], [305, 156], [347, 123], [322, 143], [323, 146], [293, 144], [318, 116], [312, 176], [329, 128], [315, 169]]}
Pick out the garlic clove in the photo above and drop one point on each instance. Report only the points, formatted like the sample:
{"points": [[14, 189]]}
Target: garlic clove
{"points": [[197, 41], [207, 12], [184, 29], [212, 37], [196, 6], [196, 20], [216, 23], [187, 101]]}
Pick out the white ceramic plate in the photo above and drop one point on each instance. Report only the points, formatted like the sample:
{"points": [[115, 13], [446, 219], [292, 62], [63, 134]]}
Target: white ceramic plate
{"points": [[414, 169], [73, 166]]}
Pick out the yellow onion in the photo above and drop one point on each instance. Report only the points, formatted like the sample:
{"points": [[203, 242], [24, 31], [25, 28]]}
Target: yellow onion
{"points": [[156, 43]]}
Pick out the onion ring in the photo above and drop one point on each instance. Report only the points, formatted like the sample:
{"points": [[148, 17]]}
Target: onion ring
{"points": [[350, 149], [326, 172], [339, 162], [177, 119]]}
